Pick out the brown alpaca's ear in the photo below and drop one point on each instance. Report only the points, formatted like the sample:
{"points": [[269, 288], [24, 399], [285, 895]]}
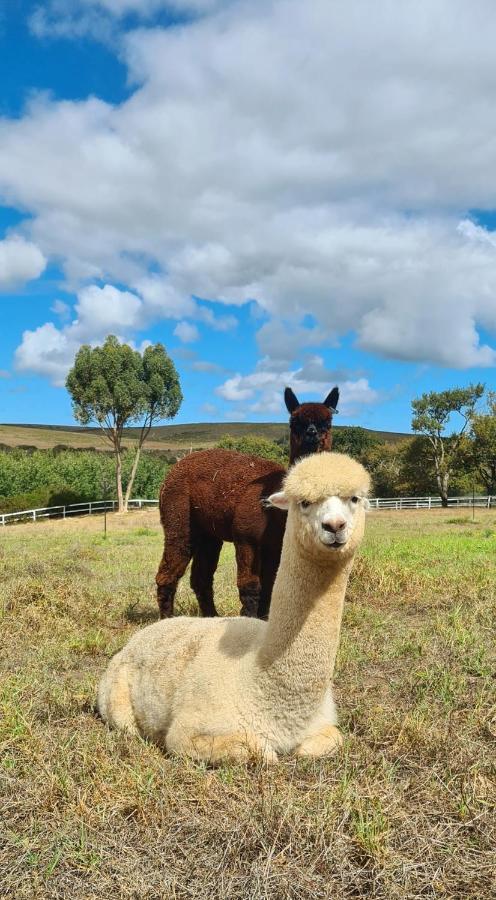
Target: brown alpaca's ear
{"points": [[331, 400], [278, 499], [291, 400]]}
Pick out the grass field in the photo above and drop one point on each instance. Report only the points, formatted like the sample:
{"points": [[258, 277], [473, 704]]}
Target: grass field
{"points": [[406, 810], [163, 437]]}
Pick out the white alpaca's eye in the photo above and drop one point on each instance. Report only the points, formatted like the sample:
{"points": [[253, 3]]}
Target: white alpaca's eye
{"points": [[304, 504], [355, 499]]}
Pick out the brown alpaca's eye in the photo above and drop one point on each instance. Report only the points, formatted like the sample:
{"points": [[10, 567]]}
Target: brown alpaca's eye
{"points": [[355, 499], [304, 504]]}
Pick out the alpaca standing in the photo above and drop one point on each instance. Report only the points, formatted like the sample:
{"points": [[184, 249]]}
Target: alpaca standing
{"points": [[213, 496], [275, 676]]}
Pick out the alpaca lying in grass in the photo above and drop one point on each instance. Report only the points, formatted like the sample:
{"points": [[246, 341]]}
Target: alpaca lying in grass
{"points": [[215, 495], [231, 688]]}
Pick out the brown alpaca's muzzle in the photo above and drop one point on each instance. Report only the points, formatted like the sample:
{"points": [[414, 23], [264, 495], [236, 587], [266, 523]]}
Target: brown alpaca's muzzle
{"points": [[312, 437]]}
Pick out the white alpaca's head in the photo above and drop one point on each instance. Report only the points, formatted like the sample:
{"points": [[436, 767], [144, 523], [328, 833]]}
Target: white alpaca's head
{"points": [[326, 498]]}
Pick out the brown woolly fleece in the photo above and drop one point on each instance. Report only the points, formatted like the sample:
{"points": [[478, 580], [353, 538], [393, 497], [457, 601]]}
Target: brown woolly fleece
{"points": [[213, 496]]}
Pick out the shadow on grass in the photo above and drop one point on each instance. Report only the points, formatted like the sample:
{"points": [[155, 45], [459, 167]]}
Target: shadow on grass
{"points": [[140, 615]]}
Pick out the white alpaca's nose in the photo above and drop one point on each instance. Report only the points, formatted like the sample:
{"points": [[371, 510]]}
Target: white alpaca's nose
{"points": [[333, 525]]}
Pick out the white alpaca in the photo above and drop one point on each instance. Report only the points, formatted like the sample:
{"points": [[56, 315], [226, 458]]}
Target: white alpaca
{"points": [[235, 687]]}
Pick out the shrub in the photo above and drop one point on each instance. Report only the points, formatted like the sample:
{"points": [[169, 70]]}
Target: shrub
{"points": [[29, 500], [30, 479], [255, 446]]}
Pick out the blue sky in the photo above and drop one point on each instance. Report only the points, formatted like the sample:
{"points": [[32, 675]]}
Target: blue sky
{"points": [[325, 216]]}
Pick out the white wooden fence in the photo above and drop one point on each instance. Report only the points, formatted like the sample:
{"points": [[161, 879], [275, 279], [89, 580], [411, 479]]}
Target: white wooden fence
{"points": [[71, 509], [430, 502], [99, 506]]}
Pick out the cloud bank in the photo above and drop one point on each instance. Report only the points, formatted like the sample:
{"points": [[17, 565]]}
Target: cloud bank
{"points": [[319, 158]]}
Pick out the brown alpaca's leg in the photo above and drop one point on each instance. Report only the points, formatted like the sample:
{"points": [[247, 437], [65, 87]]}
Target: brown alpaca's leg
{"points": [[172, 567], [271, 557], [175, 519], [270, 564], [249, 586], [205, 558]]}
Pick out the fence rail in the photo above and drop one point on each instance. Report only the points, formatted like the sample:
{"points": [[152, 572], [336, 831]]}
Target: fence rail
{"points": [[99, 506], [70, 509], [430, 502]]}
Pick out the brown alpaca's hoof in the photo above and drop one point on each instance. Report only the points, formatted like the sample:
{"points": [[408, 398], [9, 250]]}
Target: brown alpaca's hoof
{"points": [[207, 608], [165, 603], [249, 607]]}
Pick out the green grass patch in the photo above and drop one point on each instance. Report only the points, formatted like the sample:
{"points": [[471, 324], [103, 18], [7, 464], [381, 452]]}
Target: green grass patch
{"points": [[406, 810]]}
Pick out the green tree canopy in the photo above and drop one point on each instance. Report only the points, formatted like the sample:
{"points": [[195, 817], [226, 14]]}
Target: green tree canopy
{"points": [[353, 440], [484, 444], [116, 387], [433, 413]]}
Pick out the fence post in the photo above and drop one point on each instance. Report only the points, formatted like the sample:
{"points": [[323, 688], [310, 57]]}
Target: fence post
{"points": [[34, 515], [90, 508]]}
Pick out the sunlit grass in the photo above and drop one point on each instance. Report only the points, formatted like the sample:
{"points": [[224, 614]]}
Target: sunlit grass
{"points": [[406, 810]]}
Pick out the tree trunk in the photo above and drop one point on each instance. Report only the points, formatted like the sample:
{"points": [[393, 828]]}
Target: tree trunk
{"points": [[132, 477], [442, 483], [118, 476]]}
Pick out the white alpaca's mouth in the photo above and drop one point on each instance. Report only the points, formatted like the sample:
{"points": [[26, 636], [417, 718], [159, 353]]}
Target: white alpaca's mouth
{"points": [[333, 542]]}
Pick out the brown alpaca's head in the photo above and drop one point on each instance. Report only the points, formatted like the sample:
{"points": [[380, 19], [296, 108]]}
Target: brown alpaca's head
{"points": [[310, 424]]}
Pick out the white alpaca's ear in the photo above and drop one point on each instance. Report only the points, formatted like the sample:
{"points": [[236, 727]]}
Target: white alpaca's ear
{"points": [[278, 499]]}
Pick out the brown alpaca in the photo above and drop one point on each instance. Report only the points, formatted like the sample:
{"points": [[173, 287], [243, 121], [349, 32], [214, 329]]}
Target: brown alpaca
{"points": [[213, 496]]}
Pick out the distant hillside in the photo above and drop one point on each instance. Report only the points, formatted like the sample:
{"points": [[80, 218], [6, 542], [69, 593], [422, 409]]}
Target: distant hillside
{"points": [[163, 437]]}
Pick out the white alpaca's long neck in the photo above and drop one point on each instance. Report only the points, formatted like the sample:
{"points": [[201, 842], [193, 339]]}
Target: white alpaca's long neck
{"points": [[302, 636]]}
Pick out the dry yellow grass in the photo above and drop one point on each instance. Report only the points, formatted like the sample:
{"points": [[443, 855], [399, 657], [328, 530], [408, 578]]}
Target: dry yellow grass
{"points": [[162, 437], [46, 439], [407, 810]]}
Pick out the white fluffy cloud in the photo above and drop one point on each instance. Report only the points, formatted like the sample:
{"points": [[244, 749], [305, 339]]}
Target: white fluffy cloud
{"points": [[61, 309], [280, 342], [20, 261], [103, 310], [186, 332], [50, 351], [262, 390], [119, 8], [99, 19], [329, 177], [149, 7]]}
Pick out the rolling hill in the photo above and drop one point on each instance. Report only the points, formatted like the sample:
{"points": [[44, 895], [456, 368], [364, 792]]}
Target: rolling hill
{"points": [[163, 437]]}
